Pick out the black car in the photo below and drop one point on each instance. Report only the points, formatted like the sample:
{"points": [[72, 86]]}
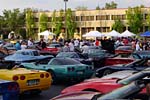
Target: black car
{"points": [[98, 56], [77, 56], [137, 65]]}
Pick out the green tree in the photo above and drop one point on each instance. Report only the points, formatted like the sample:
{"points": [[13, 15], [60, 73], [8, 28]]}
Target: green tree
{"points": [[53, 20], [98, 8], [57, 22], [80, 8], [71, 24], [118, 26], [43, 22], [148, 21], [135, 19], [111, 5], [30, 23], [13, 20]]}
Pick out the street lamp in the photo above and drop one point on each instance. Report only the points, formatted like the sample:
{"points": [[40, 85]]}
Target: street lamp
{"points": [[66, 34]]}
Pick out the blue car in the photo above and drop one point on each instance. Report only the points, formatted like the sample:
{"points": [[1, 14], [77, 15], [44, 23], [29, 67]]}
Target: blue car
{"points": [[9, 90], [27, 55]]}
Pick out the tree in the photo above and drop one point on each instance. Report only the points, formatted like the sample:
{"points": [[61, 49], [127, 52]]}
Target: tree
{"points": [[111, 5], [53, 20], [57, 22], [30, 23], [135, 19], [148, 21], [118, 26], [43, 22], [71, 24], [13, 20], [98, 8], [80, 8]]}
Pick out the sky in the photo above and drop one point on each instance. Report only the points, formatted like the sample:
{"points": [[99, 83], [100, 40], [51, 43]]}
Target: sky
{"points": [[51, 5]]}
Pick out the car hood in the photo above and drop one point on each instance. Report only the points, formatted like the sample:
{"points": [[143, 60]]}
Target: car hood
{"points": [[19, 71], [83, 95]]}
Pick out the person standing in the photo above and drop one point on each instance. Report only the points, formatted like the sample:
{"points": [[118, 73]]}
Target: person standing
{"points": [[42, 44], [71, 46], [30, 42], [18, 46]]}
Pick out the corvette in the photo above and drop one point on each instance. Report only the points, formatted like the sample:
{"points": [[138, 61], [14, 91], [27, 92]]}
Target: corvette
{"points": [[126, 92], [9, 90], [28, 80], [106, 85], [136, 65], [62, 68]]}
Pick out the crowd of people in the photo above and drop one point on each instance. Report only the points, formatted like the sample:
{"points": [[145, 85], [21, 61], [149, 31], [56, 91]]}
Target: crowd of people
{"points": [[106, 43]]}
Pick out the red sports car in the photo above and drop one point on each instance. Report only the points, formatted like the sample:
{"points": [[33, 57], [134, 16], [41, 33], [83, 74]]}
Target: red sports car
{"points": [[119, 59], [105, 85], [53, 48]]}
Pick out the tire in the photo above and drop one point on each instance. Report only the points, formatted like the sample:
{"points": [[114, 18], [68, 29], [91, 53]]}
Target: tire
{"points": [[107, 71], [53, 76]]}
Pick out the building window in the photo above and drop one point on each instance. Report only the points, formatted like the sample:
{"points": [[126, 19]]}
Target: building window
{"points": [[83, 18], [77, 18], [103, 17], [116, 17], [91, 18]]}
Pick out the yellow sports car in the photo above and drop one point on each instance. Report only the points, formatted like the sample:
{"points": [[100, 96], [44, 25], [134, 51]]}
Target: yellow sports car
{"points": [[29, 80]]}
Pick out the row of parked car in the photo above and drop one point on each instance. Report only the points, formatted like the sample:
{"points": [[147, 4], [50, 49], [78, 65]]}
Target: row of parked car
{"points": [[35, 72]]}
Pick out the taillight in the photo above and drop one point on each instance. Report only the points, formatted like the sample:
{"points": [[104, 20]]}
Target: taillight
{"points": [[42, 75], [47, 75], [10, 87], [15, 78], [16, 87], [71, 68], [22, 77], [13, 87]]}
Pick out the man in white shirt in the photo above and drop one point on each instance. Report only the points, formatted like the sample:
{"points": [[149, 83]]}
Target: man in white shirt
{"points": [[30, 42], [71, 46]]}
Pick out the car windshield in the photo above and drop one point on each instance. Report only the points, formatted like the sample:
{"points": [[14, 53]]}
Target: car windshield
{"points": [[67, 54], [60, 61], [31, 53], [54, 45], [96, 51]]}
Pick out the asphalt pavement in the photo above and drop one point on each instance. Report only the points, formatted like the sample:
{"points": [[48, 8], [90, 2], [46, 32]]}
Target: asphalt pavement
{"points": [[53, 91]]}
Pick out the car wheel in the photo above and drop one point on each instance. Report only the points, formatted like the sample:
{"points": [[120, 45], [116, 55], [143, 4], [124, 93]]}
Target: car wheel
{"points": [[107, 71], [53, 76]]}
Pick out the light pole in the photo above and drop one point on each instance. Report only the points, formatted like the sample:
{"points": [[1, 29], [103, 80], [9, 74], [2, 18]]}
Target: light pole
{"points": [[66, 34]]}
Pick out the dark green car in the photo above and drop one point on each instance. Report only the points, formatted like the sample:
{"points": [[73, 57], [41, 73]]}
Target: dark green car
{"points": [[62, 68]]}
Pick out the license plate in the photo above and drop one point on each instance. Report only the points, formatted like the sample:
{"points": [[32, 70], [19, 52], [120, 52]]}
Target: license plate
{"points": [[32, 82], [1, 97]]}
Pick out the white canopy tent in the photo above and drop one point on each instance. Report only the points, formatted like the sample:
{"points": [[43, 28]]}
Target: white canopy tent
{"points": [[127, 34], [93, 34], [113, 33], [46, 34]]}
